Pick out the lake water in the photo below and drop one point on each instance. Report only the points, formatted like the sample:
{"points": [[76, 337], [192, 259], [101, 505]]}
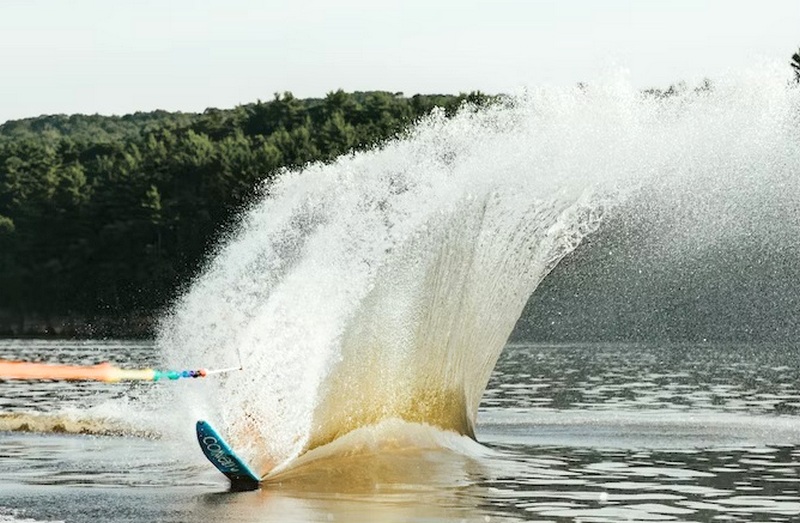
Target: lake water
{"points": [[589, 432]]}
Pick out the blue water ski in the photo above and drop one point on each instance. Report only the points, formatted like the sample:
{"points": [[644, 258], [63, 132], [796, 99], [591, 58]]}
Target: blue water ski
{"points": [[225, 459]]}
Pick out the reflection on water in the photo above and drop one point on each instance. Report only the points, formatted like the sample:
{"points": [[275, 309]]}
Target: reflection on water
{"points": [[574, 433], [649, 485], [731, 378]]}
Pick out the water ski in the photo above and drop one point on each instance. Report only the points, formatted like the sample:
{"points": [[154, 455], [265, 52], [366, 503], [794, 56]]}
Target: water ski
{"points": [[220, 454]]}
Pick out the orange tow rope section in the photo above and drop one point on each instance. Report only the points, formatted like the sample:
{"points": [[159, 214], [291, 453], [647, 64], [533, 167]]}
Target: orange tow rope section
{"points": [[22, 370]]}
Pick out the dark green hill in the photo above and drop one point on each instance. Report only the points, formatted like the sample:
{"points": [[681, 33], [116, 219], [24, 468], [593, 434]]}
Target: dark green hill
{"points": [[103, 218]]}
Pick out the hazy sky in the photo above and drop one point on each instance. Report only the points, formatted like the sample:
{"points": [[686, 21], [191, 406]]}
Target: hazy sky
{"points": [[119, 56]]}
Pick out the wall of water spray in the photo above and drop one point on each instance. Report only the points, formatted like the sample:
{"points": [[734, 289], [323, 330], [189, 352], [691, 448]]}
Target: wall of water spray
{"points": [[385, 284]]}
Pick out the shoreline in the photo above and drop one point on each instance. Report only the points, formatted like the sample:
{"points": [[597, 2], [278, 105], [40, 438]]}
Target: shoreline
{"points": [[66, 327]]}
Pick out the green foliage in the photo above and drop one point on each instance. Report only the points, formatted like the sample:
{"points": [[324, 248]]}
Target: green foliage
{"points": [[6, 225], [109, 216]]}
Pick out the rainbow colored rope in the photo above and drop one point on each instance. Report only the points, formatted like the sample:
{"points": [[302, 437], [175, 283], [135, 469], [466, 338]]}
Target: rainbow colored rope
{"points": [[22, 370]]}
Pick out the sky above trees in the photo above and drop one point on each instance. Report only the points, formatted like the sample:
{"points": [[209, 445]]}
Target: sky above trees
{"points": [[95, 56]]}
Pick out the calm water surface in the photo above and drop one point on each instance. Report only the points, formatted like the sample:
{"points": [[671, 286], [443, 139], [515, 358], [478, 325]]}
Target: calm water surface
{"points": [[592, 432]]}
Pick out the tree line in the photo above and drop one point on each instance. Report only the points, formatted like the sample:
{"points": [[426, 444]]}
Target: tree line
{"points": [[107, 216]]}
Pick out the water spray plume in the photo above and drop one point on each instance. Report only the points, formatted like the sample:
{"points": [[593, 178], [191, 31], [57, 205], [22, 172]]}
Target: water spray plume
{"points": [[384, 285]]}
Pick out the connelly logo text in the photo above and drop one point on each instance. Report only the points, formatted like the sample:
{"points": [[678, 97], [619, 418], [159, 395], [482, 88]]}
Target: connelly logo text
{"points": [[218, 454]]}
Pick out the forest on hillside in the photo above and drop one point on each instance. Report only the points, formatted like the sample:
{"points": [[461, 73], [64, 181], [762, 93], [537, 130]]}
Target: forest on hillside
{"points": [[104, 218]]}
